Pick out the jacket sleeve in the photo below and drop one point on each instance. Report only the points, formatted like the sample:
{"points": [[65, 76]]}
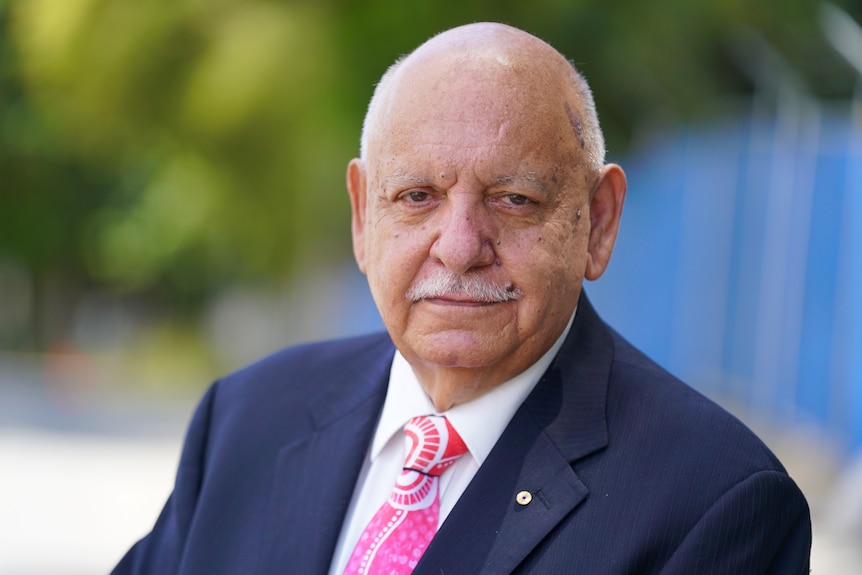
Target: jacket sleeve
{"points": [[161, 551], [760, 526]]}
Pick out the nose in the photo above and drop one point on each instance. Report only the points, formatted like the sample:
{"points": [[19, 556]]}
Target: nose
{"points": [[465, 237]]}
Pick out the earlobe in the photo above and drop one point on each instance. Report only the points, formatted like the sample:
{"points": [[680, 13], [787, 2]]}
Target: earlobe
{"points": [[356, 189], [606, 206]]}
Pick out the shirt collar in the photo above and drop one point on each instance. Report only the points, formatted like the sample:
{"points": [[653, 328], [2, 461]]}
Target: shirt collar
{"points": [[479, 422]]}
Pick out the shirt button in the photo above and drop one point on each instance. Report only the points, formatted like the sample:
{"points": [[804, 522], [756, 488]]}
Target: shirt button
{"points": [[524, 498]]}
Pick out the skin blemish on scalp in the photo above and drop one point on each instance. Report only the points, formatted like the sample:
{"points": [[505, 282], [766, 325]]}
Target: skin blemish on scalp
{"points": [[575, 123]]}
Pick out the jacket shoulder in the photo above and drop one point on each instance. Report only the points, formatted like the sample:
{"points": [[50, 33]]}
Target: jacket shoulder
{"points": [[645, 399], [310, 363]]}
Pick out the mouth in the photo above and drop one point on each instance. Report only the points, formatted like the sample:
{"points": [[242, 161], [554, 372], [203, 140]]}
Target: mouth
{"points": [[457, 301]]}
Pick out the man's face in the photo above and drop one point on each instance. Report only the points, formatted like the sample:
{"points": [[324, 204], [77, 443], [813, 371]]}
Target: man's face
{"points": [[474, 176]]}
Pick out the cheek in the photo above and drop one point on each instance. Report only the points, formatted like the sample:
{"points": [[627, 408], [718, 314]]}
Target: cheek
{"points": [[396, 255], [553, 258], [554, 245]]}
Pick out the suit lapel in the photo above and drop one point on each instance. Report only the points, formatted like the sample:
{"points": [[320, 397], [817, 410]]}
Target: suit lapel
{"points": [[315, 475], [563, 420]]}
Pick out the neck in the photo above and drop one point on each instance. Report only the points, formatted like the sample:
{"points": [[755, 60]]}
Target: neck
{"points": [[448, 387]]}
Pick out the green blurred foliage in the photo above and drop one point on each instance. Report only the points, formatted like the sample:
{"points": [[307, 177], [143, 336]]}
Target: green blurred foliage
{"points": [[167, 148]]}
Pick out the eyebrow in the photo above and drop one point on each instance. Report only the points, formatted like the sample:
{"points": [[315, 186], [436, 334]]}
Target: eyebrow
{"points": [[528, 180], [401, 179]]}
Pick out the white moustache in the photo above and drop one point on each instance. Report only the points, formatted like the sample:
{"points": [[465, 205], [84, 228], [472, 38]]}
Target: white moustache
{"points": [[470, 286]]}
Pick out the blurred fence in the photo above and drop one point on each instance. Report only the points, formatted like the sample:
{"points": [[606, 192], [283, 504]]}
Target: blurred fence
{"points": [[739, 263]]}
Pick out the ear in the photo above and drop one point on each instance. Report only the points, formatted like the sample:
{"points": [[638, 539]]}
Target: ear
{"points": [[606, 207], [356, 188]]}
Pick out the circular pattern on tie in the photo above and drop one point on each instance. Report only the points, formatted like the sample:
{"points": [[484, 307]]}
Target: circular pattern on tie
{"points": [[425, 439]]}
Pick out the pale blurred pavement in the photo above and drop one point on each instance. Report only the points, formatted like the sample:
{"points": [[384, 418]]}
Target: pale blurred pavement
{"points": [[80, 484], [82, 474], [72, 504]]}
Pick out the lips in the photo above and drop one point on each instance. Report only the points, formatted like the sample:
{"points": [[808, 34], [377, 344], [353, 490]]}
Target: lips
{"points": [[458, 301]]}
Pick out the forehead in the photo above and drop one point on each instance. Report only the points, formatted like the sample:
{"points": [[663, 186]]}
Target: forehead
{"points": [[476, 110]]}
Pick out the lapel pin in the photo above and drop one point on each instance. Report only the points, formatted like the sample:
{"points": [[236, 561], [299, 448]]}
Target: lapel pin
{"points": [[524, 498]]}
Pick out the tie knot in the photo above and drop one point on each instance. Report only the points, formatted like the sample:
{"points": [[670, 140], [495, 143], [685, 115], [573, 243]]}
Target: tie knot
{"points": [[433, 445]]}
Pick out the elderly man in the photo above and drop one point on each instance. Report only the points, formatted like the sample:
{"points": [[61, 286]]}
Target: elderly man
{"points": [[499, 426]]}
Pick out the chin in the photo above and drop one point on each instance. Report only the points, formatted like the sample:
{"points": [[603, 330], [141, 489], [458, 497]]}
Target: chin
{"points": [[460, 349]]}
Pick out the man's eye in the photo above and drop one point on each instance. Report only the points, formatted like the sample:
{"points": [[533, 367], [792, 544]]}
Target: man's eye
{"points": [[417, 196], [516, 199]]}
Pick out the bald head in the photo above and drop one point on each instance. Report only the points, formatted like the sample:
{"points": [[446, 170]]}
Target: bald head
{"points": [[509, 68]]}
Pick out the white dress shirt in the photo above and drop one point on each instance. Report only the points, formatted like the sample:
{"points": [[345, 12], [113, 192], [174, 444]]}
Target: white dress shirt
{"points": [[479, 422]]}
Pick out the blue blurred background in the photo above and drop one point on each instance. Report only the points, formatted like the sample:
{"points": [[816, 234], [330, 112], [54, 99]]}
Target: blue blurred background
{"points": [[172, 206], [739, 263]]}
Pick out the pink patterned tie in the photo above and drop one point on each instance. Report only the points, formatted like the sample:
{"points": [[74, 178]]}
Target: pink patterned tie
{"points": [[398, 534]]}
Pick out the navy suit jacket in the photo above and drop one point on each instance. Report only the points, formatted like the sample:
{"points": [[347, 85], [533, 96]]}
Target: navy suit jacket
{"points": [[631, 472]]}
